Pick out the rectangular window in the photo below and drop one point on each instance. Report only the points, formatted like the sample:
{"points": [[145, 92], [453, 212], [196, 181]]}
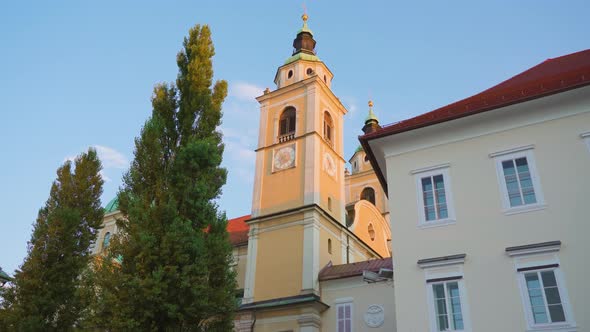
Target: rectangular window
{"points": [[344, 317], [542, 287], [447, 305], [434, 196], [518, 179], [519, 184], [448, 309], [435, 200], [543, 295]]}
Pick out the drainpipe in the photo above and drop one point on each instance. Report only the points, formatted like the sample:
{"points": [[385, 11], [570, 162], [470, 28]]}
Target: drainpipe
{"points": [[253, 322]]}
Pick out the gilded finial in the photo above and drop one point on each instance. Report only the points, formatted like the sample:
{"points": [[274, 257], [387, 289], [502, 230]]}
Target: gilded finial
{"points": [[371, 116], [304, 17]]}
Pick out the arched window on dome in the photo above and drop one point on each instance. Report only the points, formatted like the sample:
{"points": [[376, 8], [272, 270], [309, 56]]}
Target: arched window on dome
{"points": [[287, 124], [368, 194], [328, 128], [106, 241]]}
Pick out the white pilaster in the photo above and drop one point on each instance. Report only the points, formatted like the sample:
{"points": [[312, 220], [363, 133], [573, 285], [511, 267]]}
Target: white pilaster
{"points": [[312, 160], [311, 253], [259, 167], [251, 264], [343, 246]]}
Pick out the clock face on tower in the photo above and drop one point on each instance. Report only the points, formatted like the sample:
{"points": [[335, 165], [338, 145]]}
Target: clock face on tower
{"points": [[329, 164], [284, 158]]}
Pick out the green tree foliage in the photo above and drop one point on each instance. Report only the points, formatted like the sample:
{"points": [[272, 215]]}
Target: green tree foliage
{"points": [[168, 269], [47, 290]]}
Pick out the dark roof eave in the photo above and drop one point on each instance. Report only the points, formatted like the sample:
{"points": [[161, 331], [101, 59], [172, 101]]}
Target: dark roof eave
{"points": [[285, 301]]}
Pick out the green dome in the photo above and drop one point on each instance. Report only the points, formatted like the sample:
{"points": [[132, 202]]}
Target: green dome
{"points": [[359, 149], [112, 206], [4, 276]]}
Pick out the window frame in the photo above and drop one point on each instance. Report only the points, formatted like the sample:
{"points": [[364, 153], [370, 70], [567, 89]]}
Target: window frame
{"points": [[513, 154], [288, 121], [449, 269], [542, 258], [106, 241], [422, 173], [344, 302], [563, 294], [329, 126], [449, 312]]}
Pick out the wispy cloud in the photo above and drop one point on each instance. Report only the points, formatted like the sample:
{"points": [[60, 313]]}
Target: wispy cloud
{"points": [[111, 158], [351, 104], [245, 91], [105, 177]]}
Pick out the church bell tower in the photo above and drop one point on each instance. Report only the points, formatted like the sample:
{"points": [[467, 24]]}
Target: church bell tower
{"points": [[298, 213]]}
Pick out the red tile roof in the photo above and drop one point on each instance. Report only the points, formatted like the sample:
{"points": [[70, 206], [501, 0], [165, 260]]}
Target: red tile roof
{"points": [[238, 230], [549, 77], [331, 272]]}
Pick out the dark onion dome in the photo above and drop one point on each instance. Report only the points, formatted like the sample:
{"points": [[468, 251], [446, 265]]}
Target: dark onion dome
{"points": [[303, 44], [371, 121]]}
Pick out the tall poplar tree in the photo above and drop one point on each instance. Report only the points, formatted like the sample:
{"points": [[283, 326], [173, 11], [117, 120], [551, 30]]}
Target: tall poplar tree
{"points": [[168, 268], [47, 290]]}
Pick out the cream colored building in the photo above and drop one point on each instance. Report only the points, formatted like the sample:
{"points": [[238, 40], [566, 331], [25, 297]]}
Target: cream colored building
{"points": [[314, 255], [490, 230]]}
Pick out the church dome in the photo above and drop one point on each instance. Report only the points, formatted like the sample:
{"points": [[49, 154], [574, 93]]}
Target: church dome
{"points": [[112, 205]]}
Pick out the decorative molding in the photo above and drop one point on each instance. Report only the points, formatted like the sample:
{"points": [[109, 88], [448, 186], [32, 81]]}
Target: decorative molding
{"points": [[344, 300], [585, 135], [430, 168], [374, 316], [512, 150], [535, 248], [309, 320], [442, 261]]}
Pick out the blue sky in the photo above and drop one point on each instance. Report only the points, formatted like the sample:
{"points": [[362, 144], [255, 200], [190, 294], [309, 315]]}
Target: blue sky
{"points": [[75, 74]]}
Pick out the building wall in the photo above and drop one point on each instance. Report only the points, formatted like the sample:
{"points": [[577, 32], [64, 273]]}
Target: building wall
{"points": [[552, 126], [240, 254], [371, 228], [109, 226], [279, 259], [361, 295]]}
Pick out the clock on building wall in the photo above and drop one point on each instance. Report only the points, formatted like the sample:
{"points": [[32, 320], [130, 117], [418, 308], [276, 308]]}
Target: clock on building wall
{"points": [[284, 157], [329, 164]]}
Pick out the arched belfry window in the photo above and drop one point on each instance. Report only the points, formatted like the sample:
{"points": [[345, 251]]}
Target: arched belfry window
{"points": [[368, 194], [328, 128], [287, 122]]}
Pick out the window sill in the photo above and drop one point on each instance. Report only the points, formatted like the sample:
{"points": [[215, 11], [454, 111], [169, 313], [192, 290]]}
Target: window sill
{"points": [[436, 223], [524, 209], [553, 328]]}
